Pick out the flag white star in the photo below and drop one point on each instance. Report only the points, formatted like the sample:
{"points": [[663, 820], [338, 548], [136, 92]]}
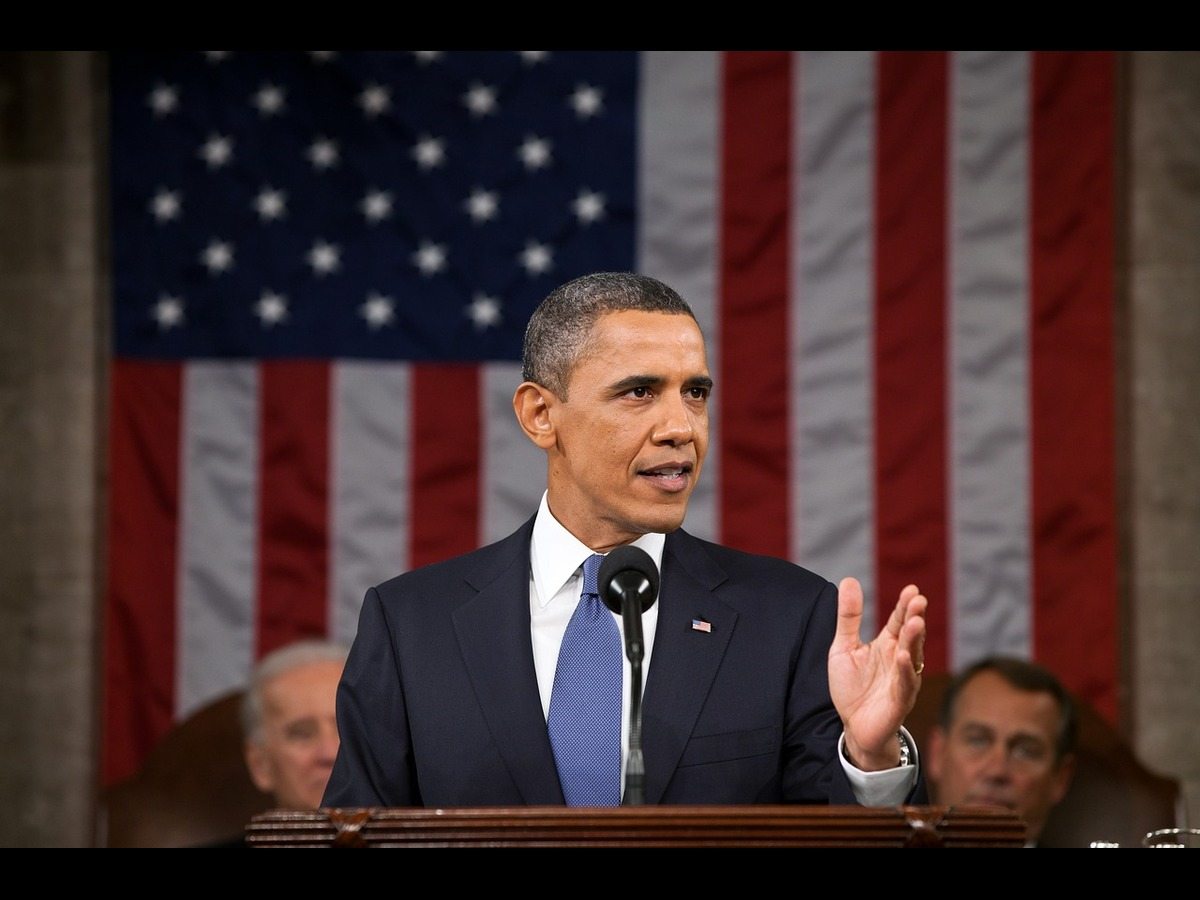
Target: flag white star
{"points": [[588, 206], [270, 204], [216, 56], [376, 205], [532, 57], [324, 258], [424, 57], [271, 308], [536, 257], [482, 206], [217, 150], [166, 206], [480, 99], [217, 257], [322, 56], [323, 154], [164, 99], [587, 101], [168, 312], [378, 310], [429, 152], [430, 258], [484, 311], [268, 100], [535, 153], [374, 100]]}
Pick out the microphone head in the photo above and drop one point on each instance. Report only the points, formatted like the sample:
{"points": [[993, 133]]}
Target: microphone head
{"points": [[628, 571]]}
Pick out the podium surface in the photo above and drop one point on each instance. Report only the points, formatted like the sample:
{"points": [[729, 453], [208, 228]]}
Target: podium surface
{"points": [[640, 826]]}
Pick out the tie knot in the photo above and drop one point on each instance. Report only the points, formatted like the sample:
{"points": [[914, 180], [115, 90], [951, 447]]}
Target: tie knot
{"points": [[591, 572]]}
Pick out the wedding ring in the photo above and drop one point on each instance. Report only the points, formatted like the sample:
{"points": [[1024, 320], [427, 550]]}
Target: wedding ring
{"points": [[920, 667]]}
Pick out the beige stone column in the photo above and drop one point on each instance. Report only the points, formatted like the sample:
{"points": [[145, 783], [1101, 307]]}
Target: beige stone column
{"points": [[1163, 322], [49, 364]]}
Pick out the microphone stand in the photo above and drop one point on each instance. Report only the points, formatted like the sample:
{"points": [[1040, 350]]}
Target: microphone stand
{"points": [[628, 584], [635, 769]]}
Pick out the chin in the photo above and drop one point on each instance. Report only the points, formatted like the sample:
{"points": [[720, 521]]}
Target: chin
{"points": [[664, 524]]}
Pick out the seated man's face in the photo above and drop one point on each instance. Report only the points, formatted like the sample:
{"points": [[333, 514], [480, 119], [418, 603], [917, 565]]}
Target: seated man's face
{"points": [[299, 740], [999, 751]]}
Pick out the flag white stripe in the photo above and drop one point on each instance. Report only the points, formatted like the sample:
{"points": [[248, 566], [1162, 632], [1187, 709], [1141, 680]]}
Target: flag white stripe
{"points": [[832, 417], [514, 469], [989, 367], [678, 208], [369, 494], [218, 531]]}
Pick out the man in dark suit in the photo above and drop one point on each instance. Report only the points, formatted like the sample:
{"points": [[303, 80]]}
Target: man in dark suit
{"points": [[1006, 737], [758, 688]]}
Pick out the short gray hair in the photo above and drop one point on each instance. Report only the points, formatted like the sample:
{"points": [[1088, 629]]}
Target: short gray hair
{"points": [[559, 328], [286, 658]]}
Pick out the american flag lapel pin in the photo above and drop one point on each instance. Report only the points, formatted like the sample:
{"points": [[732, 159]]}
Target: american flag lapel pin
{"points": [[702, 625]]}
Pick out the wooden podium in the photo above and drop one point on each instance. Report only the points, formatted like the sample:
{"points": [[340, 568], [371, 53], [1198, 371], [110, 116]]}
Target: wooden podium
{"points": [[640, 826]]}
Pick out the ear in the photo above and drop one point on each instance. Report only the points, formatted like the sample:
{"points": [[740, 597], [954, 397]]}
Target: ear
{"points": [[1062, 778], [262, 773], [532, 404], [934, 758]]}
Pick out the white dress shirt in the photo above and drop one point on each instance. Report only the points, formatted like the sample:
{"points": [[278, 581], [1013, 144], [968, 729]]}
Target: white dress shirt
{"points": [[555, 585]]}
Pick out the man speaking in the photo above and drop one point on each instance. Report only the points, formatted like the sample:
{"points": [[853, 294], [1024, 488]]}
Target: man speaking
{"points": [[498, 679]]}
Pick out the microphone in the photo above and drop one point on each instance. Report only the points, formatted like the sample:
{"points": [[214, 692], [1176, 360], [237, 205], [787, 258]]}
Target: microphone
{"points": [[628, 584]]}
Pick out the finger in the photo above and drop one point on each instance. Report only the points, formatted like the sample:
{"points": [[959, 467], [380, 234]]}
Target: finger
{"points": [[850, 610], [910, 651], [900, 610], [915, 608]]}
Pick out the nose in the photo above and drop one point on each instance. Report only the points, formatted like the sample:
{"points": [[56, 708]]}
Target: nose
{"points": [[327, 746], [675, 426], [996, 763]]}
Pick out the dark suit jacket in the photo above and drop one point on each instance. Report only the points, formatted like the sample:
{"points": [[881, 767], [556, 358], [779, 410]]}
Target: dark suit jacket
{"points": [[439, 703]]}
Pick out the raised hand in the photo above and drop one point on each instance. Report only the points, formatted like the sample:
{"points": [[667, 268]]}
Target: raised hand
{"points": [[875, 685]]}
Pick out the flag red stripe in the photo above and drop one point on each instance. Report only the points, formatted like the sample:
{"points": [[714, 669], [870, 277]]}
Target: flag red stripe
{"points": [[910, 314], [1074, 494], [293, 557], [754, 237], [139, 669], [446, 461]]}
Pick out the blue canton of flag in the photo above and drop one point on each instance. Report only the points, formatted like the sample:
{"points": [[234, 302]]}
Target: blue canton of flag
{"points": [[402, 205]]}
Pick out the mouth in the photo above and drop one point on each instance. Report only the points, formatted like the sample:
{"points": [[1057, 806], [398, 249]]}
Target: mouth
{"points": [[671, 476], [991, 800]]}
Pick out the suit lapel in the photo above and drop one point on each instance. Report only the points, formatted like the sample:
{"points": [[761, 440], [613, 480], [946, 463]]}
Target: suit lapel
{"points": [[493, 634], [685, 660]]}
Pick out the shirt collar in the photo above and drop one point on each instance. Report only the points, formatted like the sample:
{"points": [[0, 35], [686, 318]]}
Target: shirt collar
{"points": [[556, 555]]}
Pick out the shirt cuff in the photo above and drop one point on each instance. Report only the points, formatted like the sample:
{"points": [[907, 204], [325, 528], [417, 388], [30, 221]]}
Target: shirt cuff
{"points": [[887, 787]]}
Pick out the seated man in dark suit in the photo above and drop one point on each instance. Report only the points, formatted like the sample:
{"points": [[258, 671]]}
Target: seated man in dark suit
{"points": [[1006, 738], [289, 725], [496, 678], [289, 722]]}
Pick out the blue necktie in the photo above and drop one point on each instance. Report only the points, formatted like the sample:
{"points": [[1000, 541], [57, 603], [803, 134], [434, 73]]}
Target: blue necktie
{"points": [[585, 704]]}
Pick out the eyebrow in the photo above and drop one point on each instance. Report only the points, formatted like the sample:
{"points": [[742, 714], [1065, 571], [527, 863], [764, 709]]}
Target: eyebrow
{"points": [[636, 381], [1014, 736]]}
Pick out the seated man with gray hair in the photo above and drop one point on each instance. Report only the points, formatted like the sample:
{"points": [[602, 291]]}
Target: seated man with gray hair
{"points": [[289, 721]]}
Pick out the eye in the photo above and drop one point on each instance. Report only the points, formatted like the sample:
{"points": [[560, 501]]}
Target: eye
{"points": [[640, 392], [1029, 751], [697, 393], [976, 740], [301, 730]]}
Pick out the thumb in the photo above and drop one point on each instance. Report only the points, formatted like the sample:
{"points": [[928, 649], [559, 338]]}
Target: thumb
{"points": [[850, 611]]}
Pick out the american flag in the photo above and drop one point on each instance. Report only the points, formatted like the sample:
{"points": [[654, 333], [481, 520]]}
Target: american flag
{"points": [[323, 263]]}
